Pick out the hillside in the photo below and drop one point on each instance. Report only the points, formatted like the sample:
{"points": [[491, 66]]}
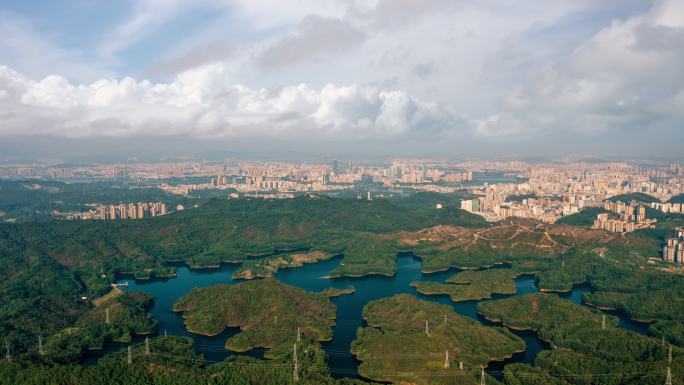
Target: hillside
{"points": [[585, 217], [639, 197], [268, 313], [396, 346]]}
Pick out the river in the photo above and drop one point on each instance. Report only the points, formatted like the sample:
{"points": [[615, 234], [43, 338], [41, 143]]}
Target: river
{"points": [[349, 307]]}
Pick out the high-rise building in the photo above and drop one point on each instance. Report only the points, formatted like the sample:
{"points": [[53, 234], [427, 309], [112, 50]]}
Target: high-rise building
{"points": [[673, 251]]}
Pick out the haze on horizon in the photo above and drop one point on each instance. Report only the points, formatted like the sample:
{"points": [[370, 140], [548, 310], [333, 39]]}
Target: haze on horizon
{"points": [[386, 77]]}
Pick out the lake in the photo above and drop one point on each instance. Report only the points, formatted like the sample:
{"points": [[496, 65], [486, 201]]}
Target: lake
{"points": [[349, 307]]}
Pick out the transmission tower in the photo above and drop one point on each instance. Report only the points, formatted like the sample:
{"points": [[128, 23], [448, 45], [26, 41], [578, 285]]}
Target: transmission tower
{"points": [[427, 328], [107, 321], [446, 360], [669, 354], [294, 361], [40, 345], [299, 334], [7, 351], [603, 323], [444, 319], [130, 358], [668, 379], [147, 346]]}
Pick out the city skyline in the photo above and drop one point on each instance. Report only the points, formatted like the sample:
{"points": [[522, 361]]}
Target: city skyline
{"points": [[379, 78]]}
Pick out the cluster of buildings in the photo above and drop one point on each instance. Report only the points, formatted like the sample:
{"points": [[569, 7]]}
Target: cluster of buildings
{"points": [[124, 211], [677, 208], [554, 190], [284, 178], [673, 251], [630, 217]]}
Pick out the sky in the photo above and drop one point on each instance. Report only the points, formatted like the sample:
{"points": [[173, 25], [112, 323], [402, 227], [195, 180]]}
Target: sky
{"points": [[449, 78]]}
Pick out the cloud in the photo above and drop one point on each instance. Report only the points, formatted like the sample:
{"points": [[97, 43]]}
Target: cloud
{"points": [[206, 53], [624, 79], [315, 38], [424, 70], [146, 16], [203, 103]]}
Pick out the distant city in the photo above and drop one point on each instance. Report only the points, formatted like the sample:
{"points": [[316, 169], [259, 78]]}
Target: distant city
{"points": [[544, 191]]}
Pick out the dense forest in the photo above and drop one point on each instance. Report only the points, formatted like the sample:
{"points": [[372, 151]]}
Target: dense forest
{"points": [[50, 272], [407, 340], [584, 342]]}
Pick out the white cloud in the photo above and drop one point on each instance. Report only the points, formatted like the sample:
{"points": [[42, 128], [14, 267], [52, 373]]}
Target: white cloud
{"points": [[203, 103]]}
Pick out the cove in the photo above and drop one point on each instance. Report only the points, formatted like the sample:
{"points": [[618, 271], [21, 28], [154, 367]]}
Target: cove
{"points": [[349, 307]]}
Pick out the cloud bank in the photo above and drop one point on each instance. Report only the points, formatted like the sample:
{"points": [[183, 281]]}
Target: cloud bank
{"points": [[446, 72], [204, 103]]}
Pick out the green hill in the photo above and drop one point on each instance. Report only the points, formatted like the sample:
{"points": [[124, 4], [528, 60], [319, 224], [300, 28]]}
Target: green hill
{"points": [[677, 199], [585, 217], [639, 197]]}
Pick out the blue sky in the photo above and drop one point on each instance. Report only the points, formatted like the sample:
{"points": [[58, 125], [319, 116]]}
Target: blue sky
{"points": [[444, 72]]}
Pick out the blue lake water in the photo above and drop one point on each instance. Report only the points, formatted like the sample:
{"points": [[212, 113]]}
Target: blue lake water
{"points": [[349, 307]]}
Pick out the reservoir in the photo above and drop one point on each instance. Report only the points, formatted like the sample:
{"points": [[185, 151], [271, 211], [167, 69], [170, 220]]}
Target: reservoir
{"points": [[349, 307]]}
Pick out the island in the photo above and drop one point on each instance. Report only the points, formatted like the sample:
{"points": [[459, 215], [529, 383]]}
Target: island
{"points": [[471, 285], [421, 342], [268, 313], [335, 292], [582, 340]]}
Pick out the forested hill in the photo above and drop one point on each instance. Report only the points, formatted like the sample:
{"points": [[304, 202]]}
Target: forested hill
{"points": [[222, 230], [44, 266], [639, 197]]}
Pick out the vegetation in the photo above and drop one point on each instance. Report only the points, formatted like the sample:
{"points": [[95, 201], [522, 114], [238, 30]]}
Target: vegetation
{"points": [[335, 292], [172, 361], [585, 217], [128, 317], [543, 313], [677, 199], [639, 197], [268, 312], [672, 331], [520, 198], [46, 267], [268, 266], [396, 346], [581, 344], [35, 200], [471, 285]]}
